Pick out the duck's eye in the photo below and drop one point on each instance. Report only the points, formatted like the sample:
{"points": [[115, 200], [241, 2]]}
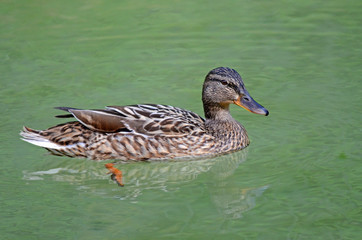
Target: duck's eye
{"points": [[223, 82]]}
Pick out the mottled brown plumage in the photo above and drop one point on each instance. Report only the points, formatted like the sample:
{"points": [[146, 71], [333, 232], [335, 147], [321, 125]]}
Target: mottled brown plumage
{"points": [[150, 131]]}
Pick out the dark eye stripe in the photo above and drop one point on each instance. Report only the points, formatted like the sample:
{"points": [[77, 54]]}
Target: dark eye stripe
{"points": [[229, 84], [233, 86]]}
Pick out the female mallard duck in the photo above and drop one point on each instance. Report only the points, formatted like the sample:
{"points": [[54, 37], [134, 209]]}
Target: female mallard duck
{"points": [[150, 131]]}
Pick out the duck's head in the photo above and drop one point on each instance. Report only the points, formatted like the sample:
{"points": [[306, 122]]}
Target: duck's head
{"points": [[224, 86]]}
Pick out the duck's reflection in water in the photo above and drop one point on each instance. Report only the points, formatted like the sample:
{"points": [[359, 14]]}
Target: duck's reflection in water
{"points": [[167, 176], [232, 200]]}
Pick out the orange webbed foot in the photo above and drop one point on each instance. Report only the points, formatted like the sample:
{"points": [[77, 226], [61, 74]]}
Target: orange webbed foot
{"points": [[116, 174]]}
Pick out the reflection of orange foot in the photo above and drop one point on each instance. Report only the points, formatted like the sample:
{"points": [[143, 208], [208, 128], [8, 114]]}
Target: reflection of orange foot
{"points": [[116, 174]]}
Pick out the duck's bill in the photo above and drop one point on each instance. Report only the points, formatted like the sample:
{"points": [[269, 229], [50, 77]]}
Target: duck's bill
{"points": [[251, 105]]}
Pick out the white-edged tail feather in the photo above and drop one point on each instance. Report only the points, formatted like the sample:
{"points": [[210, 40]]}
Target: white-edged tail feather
{"points": [[40, 139], [33, 137]]}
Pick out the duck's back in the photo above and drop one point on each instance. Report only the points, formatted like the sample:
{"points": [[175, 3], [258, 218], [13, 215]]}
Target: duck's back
{"points": [[135, 132]]}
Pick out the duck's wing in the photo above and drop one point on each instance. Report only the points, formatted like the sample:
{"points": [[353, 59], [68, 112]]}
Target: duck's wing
{"points": [[96, 120], [147, 119]]}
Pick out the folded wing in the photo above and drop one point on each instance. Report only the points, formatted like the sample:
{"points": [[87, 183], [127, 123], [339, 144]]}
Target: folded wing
{"points": [[146, 119]]}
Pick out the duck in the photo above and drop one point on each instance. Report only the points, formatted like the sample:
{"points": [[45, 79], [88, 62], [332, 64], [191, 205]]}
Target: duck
{"points": [[153, 131]]}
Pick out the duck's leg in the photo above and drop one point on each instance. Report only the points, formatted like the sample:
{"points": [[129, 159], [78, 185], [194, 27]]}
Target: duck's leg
{"points": [[116, 174], [118, 179]]}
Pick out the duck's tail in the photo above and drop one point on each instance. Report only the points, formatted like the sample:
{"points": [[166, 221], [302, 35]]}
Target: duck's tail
{"points": [[34, 137], [61, 148]]}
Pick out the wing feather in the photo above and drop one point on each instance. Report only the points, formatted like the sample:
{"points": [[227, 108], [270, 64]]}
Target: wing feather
{"points": [[146, 119], [152, 119]]}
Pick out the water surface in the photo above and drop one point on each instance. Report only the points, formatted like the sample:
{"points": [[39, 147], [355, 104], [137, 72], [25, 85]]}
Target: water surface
{"points": [[299, 178]]}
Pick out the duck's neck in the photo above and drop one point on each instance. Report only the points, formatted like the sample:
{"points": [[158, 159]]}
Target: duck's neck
{"points": [[218, 112], [220, 124]]}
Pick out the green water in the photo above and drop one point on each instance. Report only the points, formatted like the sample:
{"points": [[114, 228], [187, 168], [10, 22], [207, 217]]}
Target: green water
{"points": [[299, 179]]}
